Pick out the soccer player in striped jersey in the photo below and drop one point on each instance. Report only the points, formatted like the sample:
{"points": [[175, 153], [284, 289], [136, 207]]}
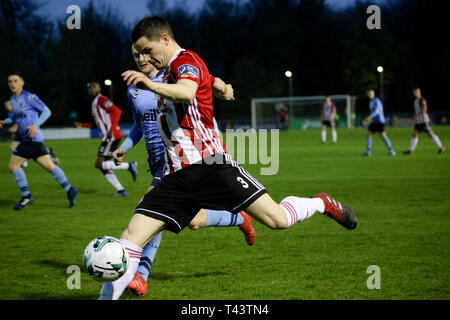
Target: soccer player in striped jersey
{"points": [[377, 124], [29, 112], [328, 119], [106, 116], [144, 106], [199, 172], [423, 123]]}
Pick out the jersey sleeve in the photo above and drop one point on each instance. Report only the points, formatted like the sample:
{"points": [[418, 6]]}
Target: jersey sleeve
{"points": [[185, 67], [36, 103], [105, 103], [212, 80]]}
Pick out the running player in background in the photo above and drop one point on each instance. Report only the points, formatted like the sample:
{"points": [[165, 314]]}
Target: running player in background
{"points": [[199, 171], [107, 115], [29, 112], [328, 119], [423, 123], [144, 106], [377, 124]]}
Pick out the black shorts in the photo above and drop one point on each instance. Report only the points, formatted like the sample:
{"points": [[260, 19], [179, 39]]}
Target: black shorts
{"points": [[179, 196], [424, 127], [376, 127], [107, 147], [30, 150], [327, 123]]}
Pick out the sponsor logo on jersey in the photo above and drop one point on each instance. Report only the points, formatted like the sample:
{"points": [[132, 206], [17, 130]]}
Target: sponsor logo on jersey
{"points": [[187, 71]]}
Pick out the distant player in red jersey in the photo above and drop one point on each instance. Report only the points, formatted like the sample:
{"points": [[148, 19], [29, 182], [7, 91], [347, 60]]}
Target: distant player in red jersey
{"points": [[107, 115], [423, 123], [200, 173], [328, 119]]}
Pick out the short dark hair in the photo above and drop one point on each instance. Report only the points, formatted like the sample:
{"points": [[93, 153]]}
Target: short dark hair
{"points": [[151, 28], [14, 73]]}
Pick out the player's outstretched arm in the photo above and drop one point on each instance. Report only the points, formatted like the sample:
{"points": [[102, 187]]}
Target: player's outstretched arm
{"points": [[222, 90], [182, 91]]}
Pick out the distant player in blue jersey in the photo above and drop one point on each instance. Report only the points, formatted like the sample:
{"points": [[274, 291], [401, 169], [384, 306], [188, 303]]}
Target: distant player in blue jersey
{"points": [[144, 105], [29, 112], [377, 124]]}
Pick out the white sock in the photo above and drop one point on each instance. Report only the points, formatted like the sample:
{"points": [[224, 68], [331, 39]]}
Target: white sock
{"points": [[324, 135], [111, 177], [334, 135], [436, 140], [299, 209], [414, 142], [109, 165], [113, 290]]}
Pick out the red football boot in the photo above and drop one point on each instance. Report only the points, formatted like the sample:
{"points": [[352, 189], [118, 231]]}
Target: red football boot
{"points": [[247, 229], [138, 285], [335, 210]]}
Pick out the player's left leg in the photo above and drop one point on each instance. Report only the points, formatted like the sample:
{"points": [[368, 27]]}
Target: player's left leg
{"points": [[436, 140], [334, 134], [221, 218], [388, 144], [295, 209], [58, 174]]}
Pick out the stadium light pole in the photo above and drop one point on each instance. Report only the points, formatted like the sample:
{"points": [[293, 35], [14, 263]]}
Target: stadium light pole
{"points": [[380, 70], [110, 86]]}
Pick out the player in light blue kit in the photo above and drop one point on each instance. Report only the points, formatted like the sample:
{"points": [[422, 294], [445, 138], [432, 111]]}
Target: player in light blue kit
{"points": [[144, 105], [377, 124], [29, 112]]}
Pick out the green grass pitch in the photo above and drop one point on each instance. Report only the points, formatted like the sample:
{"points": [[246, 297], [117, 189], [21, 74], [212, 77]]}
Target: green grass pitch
{"points": [[402, 205]]}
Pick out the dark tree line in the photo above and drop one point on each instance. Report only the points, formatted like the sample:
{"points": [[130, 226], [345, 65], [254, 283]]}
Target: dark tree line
{"points": [[249, 44]]}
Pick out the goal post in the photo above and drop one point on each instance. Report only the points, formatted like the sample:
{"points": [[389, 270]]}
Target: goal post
{"points": [[304, 112]]}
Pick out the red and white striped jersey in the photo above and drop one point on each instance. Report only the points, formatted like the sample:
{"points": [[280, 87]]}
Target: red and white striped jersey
{"points": [[187, 129], [327, 110], [106, 116], [421, 117]]}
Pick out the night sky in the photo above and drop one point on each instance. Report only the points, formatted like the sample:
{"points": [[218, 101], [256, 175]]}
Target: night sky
{"points": [[134, 10]]}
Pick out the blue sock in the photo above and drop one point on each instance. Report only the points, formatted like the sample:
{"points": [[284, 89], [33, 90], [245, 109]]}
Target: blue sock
{"points": [[148, 255], [221, 218], [60, 177], [368, 144], [21, 180], [388, 144]]}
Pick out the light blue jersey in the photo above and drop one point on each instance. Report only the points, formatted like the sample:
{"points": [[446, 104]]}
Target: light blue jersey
{"points": [[376, 111], [144, 105], [26, 109]]}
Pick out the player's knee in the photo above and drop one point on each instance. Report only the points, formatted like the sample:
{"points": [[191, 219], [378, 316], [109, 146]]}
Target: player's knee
{"points": [[194, 226], [13, 167]]}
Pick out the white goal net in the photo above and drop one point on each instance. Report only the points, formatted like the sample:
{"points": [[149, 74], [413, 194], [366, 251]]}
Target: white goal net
{"points": [[303, 112]]}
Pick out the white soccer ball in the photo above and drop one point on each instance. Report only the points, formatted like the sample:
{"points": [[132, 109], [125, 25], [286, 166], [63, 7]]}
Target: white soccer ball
{"points": [[106, 259]]}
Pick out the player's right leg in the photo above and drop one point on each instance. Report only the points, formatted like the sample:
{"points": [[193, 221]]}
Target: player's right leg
{"points": [[139, 232], [414, 142], [368, 144], [15, 167], [334, 134], [324, 133]]}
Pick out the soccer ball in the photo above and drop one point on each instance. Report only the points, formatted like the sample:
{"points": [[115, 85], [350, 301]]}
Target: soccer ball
{"points": [[106, 259]]}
